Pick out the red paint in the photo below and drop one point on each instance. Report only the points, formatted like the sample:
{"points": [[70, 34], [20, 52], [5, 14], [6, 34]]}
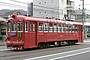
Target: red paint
{"points": [[32, 39]]}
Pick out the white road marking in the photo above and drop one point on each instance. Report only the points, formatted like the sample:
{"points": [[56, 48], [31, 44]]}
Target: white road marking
{"points": [[73, 52], [4, 49], [70, 55]]}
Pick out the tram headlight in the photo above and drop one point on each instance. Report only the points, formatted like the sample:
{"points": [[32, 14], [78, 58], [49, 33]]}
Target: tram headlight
{"points": [[8, 41]]}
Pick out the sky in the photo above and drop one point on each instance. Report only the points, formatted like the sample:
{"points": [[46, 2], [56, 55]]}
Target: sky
{"points": [[15, 5], [10, 4]]}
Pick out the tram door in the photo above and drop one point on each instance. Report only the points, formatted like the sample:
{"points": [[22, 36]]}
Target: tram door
{"points": [[20, 31], [30, 34]]}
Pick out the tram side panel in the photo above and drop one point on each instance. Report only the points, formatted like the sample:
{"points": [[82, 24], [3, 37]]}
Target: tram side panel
{"points": [[81, 34], [30, 40]]}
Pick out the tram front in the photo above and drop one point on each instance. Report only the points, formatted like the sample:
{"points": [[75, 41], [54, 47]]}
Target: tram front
{"points": [[14, 34]]}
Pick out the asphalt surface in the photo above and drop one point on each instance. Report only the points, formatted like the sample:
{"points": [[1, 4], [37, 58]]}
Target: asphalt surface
{"points": [[85, 56], [6, 54]]}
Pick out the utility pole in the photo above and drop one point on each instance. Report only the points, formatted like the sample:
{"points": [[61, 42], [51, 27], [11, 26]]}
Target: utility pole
{"points": [[83, 19]]}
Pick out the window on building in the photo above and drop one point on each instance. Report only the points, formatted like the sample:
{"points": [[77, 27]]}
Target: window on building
{"points": [[45, 2], [39, 2], [45, 12], [40, 12]]}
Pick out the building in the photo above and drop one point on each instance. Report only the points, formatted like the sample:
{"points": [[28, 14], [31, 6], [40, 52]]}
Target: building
{"points": [[70, 10], [49, 8], [78, 15], [61, 9], [30, 9]]}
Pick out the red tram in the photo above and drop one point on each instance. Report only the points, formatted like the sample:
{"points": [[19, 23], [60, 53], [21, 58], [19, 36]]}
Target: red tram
{"points": [[28, 32]]}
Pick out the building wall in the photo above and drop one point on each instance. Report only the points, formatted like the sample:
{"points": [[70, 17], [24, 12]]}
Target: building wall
{"points": [[30, 9], [78, 15], [49, 8], [62, 8]]}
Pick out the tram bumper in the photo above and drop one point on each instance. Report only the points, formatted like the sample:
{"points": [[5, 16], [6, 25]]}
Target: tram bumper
{"points": [[14, 43]]}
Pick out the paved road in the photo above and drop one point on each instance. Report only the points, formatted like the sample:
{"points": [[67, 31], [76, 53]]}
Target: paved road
{"points": [[58, 53], [85, 56]]}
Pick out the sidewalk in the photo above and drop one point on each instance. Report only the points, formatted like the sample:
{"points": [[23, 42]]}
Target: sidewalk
{"points": [[87, 40], [2, 43], [2, 46]]}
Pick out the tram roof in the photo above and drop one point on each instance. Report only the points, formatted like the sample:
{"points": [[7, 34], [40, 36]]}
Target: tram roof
{"points": [[49, 20]]}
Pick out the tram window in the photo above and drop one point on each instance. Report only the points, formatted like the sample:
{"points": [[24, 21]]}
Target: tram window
{"points": [[12, 27], [40, 27], [9, 27], [63, 27], [66, 28], [32, 27], [26, 26], [19, 25], [69, 28], [59, 27], [45, 27], [50, 27], [74, 28], [55, 28]]}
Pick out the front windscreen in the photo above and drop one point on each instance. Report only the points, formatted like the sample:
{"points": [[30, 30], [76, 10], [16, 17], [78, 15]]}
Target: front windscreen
{"points": [[11, 26]]}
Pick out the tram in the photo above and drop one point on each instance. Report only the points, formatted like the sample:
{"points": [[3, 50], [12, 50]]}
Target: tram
{"points": [[29, 32]]}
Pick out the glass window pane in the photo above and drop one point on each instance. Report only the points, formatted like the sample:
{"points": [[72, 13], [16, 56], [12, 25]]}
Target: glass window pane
{"points": [[55, 28], [59, 27], [50, 27], [9, 27], [31, 27], [26, 26], [40, 27], [19, 25], [45, 27]]}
